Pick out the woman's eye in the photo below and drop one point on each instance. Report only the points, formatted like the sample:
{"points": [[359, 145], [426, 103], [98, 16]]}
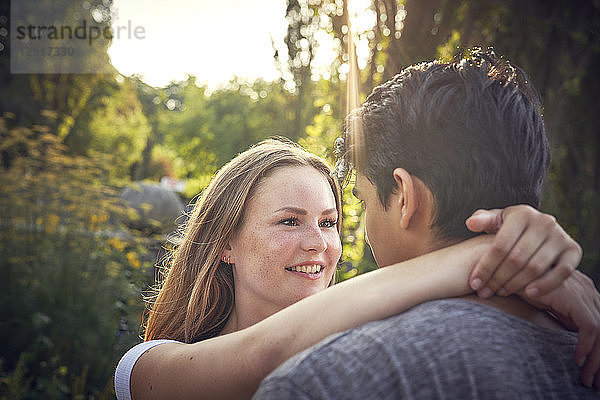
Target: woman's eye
{"points": [[292, 221], [328, 223]]}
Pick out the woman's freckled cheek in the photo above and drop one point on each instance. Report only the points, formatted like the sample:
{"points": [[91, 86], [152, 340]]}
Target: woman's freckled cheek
{"points": [[275, 247]]}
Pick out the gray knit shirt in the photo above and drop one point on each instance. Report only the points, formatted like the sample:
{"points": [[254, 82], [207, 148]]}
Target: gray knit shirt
{"points": [[446, 349]]}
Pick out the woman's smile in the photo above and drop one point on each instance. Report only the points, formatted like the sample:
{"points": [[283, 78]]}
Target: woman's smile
{"points": [[307, 270]]}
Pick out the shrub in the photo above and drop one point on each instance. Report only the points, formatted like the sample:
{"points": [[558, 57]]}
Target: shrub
{"points": [[70, 276]]}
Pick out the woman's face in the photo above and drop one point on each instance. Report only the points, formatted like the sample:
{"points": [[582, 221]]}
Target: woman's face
{"points": [[288, 246]]}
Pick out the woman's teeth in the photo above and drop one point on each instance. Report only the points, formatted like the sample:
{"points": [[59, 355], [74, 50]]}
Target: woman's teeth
{"points": [[307, 269]]}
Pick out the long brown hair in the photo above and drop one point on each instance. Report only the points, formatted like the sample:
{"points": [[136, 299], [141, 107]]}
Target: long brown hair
{"points": [[196, 296]]}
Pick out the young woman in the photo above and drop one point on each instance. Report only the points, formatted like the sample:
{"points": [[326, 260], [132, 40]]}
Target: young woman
{"points": [[246, 287]]}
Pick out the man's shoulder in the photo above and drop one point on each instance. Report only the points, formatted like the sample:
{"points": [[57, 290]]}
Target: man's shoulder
{"points": [[439, 313], [439, 324], [462, 346], [427, 325], [444, 315], [458, 324], [439, 318]]}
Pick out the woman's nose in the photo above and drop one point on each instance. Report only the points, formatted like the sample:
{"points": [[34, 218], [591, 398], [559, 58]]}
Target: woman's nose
{"points": [[313, 239]]}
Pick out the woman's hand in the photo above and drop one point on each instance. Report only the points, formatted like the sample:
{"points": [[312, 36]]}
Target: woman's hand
{"points": [[576, 304], [533, 256], [531, 251]]}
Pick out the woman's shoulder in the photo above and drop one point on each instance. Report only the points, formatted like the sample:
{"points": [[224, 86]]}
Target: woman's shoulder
{"points": [[125, 366]]}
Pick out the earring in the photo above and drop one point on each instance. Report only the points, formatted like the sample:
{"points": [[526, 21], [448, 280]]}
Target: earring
{"points": [[227, 259]]}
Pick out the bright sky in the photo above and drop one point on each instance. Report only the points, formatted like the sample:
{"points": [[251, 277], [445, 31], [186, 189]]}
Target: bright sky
{"points": [[211, 39]]}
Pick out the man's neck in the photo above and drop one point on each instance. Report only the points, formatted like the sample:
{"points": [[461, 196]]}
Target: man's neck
{"points": [[514, 305]]}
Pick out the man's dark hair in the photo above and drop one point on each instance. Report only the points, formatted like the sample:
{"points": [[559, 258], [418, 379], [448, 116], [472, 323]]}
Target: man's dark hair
{"points": [[471, 130]]}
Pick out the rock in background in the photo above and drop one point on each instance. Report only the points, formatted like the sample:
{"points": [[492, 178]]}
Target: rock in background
{"points": [[151, 208]]}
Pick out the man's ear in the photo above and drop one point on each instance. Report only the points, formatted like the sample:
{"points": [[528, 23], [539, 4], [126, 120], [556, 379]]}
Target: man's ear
{"points": [[408, 196]]}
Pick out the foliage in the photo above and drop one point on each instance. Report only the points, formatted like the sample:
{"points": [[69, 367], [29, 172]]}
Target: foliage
{"points": [[70, 98], [70, 275], [300, 40], [210, 129], [119, 129]]}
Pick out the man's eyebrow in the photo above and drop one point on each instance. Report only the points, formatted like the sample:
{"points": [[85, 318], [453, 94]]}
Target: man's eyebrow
{"points": [[302, 211]]}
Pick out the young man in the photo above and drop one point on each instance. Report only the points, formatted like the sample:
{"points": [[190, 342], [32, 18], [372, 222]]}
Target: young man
{"points": [[431, 146]]}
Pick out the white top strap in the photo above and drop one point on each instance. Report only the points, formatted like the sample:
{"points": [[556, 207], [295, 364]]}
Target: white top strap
{"points": [[125, 366]]}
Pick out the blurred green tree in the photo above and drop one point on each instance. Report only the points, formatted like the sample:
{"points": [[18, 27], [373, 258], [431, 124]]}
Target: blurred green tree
{"points": [[207, 130], [63, 102], [296, 71]]}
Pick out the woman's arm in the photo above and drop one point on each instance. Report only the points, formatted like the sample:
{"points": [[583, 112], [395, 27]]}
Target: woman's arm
{"points": [[233, 365]]}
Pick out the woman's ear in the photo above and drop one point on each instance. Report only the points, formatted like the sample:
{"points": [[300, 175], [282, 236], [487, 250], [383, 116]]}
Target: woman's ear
{"points": [[408, 199], [227, 256]]}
